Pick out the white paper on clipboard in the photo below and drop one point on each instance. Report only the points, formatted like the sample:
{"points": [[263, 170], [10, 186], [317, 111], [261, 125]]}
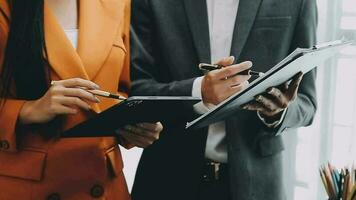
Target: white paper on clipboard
{"points": [[301, 60]]}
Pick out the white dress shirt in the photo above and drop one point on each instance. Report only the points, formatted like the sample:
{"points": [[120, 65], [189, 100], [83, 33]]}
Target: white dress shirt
{"points": [[222, 16], [72, 35]]}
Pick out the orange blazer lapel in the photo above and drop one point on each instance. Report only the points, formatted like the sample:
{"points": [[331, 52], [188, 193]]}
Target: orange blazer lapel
{"points": [[61, 54], [98, 25]]}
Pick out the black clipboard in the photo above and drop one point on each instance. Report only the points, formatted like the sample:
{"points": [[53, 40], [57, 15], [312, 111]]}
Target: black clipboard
{"points": [[130, 111], [301, 60]]}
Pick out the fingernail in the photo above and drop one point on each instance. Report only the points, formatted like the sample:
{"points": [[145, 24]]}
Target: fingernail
{"points": [[95, 86], [97, 99], [258, 98], [270, 90], [249, 63], [232, 58]]}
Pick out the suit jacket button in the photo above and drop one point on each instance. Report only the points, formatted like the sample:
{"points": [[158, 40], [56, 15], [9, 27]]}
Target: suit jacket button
{"points": [[54, 196], [97, 191], [5, 145]]}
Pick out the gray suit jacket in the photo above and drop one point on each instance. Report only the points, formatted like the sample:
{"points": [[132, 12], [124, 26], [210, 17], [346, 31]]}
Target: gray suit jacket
{"points": [[169, 39]]}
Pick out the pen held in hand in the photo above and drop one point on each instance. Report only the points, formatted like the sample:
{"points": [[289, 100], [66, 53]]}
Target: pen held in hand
{"points": [[212, 67], [106, 94]]}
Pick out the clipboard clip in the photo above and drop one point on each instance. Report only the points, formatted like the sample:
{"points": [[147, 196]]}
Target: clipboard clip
{"points": [[332, 43], [327, 44]]}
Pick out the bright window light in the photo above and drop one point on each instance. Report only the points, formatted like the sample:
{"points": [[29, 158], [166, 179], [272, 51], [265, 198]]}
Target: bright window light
{"points": [[345, 96], [349, 51], [342, 147], [302, 193], [349, 6], [348, 23]]}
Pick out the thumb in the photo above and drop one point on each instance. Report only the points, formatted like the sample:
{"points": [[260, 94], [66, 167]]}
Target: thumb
{"points": [[294, 85], [226, 61]]}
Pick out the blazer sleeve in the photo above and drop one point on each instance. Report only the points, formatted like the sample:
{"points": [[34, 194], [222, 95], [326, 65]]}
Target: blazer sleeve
{"points": [[9, 108], [302, 111], [8, 120]]}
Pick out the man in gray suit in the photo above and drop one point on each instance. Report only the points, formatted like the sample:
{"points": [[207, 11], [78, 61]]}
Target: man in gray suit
{"points": [[239, 158]]}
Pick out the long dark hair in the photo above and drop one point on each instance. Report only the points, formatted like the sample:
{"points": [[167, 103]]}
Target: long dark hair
{"points": [[24, 66]]}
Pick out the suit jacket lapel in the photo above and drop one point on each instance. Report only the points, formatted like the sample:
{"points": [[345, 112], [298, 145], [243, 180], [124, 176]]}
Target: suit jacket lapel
{"points": [[244, 21], [98, 25], [197, 15], [61, 55]]}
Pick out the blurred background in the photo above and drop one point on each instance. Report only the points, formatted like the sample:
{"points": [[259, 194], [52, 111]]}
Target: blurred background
{"points": [[333, 134]]}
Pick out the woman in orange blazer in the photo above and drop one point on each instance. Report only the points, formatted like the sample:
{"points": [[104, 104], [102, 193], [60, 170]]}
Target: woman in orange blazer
{"points": [[35, 164]]}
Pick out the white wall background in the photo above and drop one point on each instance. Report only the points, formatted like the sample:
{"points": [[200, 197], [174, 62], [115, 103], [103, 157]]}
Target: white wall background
{"points": [[131, 158]]}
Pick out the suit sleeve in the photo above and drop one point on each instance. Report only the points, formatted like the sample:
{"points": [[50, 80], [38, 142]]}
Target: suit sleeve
{"points": [[302, 111], [9, 108], [144, 64]]}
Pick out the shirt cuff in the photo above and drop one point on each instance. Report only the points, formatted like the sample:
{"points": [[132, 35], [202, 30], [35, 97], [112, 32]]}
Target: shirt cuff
{"points": [[273, 124], [201, 107]]}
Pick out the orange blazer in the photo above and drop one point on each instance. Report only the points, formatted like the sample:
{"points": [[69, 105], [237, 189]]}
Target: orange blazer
{"points": [[33, 167]]}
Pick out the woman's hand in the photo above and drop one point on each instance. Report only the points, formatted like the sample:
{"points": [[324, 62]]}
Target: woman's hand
{"points": [[63, 98], [141, 135]]}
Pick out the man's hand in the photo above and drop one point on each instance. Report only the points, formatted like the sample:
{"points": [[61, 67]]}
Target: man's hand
{"points": [[141, 135], [219, 85], [276, 99]]}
